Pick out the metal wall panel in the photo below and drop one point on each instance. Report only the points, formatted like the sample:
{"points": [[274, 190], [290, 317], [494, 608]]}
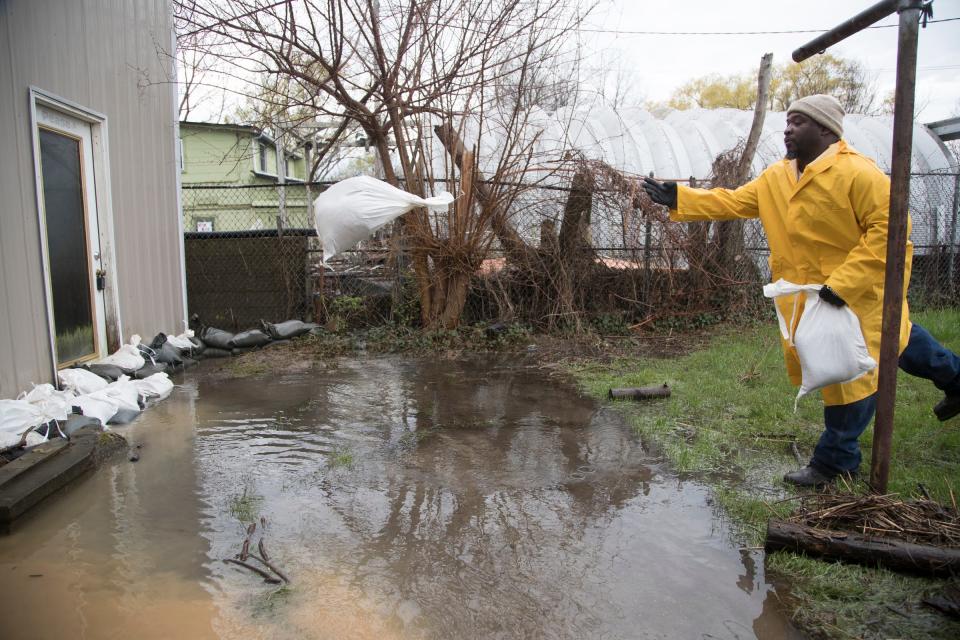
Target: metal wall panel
{"points": [[113, 57]]}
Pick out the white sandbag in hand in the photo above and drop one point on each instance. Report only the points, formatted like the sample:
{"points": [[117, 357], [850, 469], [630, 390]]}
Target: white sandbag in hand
{"points": [[353, 209], [828, 339]]}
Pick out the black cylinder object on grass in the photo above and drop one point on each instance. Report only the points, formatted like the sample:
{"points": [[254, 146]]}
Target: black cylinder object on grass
{"points": [[641, 393]]}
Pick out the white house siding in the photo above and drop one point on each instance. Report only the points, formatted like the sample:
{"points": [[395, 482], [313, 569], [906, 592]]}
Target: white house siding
{"points": [[102, 55]]}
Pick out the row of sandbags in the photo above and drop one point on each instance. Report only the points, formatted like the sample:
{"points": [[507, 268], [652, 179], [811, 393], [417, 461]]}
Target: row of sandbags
{"points": [[174, 353], [42, 413], [164, 354], [218, 343], [113, 390]]}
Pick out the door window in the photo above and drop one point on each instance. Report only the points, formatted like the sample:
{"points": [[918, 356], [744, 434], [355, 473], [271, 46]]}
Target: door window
{"points": [[67, 243]]}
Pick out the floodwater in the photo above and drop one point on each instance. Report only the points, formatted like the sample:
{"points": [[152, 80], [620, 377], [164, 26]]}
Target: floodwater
{"points": [[469, 498]]}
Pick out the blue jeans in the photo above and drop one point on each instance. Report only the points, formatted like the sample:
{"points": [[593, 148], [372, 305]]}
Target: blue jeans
{"points": [[838, 451]]}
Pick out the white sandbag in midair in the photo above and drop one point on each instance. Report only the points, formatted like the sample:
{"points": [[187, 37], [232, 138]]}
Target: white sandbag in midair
{"points": [[80, 381], [828, 339], [353, 209], [127, 357]]}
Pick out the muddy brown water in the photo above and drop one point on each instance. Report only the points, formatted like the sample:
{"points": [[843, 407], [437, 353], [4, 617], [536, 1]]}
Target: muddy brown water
{"points": [[474, 498]]}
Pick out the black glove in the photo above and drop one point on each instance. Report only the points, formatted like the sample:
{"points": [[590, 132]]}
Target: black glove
{"points": [[830, 296], [661, 192]]}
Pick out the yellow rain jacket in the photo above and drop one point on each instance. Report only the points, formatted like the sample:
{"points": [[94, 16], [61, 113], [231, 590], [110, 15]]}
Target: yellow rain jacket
{"points": [[830, 227]]}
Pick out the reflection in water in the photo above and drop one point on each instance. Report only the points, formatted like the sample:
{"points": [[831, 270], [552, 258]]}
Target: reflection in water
{"points": [[435, 499], [746, 581]]}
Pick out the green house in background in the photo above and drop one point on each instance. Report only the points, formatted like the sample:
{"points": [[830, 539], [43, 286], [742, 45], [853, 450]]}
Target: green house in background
{"points": [[230, 180]]}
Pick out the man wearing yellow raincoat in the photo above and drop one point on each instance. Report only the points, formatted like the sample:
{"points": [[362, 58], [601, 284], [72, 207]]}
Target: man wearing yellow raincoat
{"points": [[825, 210]]}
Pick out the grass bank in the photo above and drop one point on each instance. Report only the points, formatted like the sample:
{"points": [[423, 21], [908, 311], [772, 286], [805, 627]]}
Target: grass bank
{"points": [[731, 420]]}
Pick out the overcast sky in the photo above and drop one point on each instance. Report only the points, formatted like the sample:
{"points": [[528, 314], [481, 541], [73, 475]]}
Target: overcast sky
{"points": [[659, 64]]}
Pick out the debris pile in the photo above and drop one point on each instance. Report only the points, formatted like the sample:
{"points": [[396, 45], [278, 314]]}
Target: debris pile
{"points": [[918, 536], [920, 521]]}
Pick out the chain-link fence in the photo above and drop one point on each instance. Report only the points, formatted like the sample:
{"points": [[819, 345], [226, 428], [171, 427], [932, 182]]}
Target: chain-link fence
{"points": [[252, 254], [247, 251]]}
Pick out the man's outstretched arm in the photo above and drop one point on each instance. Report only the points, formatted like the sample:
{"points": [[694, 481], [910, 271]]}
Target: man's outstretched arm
{"points": [[688, 204]]}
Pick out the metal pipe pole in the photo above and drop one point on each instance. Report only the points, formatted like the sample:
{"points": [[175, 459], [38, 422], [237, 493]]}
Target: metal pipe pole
{"points": [[648, 227], [860, 21], [909, 11], [952, 252]]}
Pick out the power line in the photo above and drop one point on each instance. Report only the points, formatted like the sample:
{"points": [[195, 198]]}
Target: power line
{"points": [[736, 33]]}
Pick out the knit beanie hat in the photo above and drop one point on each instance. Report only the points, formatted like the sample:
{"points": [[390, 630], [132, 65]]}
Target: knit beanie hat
{"points": [[823, 109]]}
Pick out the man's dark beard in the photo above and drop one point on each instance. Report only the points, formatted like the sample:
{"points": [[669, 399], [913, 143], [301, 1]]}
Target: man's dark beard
{"points": [[791, 155]]}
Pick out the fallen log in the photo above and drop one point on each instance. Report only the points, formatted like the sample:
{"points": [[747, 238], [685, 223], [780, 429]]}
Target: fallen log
{"points": [[866, 550], [641, 393]]}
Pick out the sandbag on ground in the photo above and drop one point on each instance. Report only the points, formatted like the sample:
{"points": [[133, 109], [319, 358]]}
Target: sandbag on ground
{"points": [[249, 339], [148, 370], [76, 422], [156, 387], [80, 381], [127, 357], [288, 329], [182, 342], [97, 405], [169, 354], [108, 372], [217, 338], [198, 347]]}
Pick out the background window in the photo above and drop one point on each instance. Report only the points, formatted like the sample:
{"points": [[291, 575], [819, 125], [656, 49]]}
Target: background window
{"points": [[262, 156]]}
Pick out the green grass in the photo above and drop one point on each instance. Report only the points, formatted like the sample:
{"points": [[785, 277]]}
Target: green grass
{"points": [[268, 603], [244, 506], [731, 420], [341, 458]]}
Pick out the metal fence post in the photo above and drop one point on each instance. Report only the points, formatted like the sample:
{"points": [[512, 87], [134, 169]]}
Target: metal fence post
{"points": [[904, 100], [952, 253], [648, 228]]}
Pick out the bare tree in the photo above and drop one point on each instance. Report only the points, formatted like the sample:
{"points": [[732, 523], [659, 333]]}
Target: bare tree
{"points": [[195, 64], [397, 70]]}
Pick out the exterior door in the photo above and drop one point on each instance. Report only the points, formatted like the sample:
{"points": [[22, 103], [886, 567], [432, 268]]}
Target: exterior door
{"points": [[76, 278]]}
